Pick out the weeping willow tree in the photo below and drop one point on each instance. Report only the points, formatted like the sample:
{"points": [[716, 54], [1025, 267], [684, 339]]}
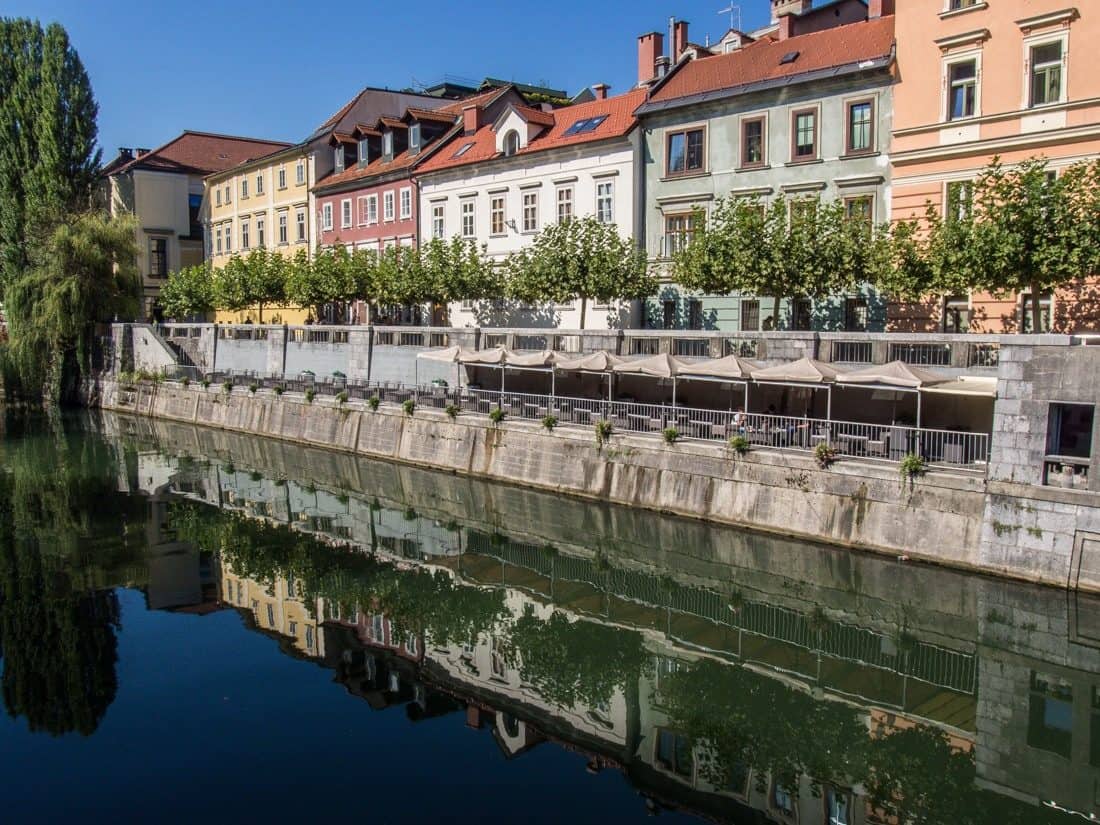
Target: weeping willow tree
{"points": [[84, 273]]}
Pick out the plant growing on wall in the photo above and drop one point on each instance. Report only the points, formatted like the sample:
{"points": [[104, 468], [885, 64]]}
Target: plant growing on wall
{"points": [[603, 431], [670, 434], [205, 383], [739, 445], [373, 402], [342, 397], [279, 389], [549, 422], [911, 466], [252, 387], [228, 387], [579, 258], [496, 415], [408, 406], [824, 454], [452, 411], [310, 395], [185, 381]]}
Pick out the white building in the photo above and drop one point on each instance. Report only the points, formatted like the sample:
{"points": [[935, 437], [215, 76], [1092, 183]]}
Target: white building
{"points": [[511, 172]]}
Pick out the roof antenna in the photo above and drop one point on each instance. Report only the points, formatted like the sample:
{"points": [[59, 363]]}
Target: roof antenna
{"points": [[733, 10]]}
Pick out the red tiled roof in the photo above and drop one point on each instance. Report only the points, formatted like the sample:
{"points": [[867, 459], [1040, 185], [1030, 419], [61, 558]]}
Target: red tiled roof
{"points": [[759, 61], [620, 120], [482, 99], [535, 115], [429, 114], [393, 122], [202, 153]]}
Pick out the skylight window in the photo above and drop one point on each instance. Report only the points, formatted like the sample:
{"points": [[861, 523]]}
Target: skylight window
{"points": [[462, 150], [789, 57], [587, 124]]}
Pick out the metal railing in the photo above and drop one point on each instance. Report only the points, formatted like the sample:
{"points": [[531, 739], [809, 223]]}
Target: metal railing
{"points": [[885, 442]]}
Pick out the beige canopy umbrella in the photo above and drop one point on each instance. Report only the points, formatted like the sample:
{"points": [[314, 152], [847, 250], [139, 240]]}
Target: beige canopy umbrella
{"points": [[897, 376], [542, 358], [601, 361], [970, 385], [730, 368], [655, 366], [805, 372], [493, 356], [448, 355]]}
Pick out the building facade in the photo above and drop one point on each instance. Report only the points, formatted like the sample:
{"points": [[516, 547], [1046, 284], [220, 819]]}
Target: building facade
{"points": [[800, 108], [1010, 79], [513, 169], [163, 189]]}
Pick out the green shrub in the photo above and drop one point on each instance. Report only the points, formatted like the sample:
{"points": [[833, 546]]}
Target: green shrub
{"points": [[279, 389], [496, 415], [603, 431], [373, 402], [310, 395], [186, 381], [824, 454], [342, 397], [912, 465], [228, 387], [739, 444], [671, 435], [452, 411], [408, 406], [205, 383], [549, 422], [253, 387]]}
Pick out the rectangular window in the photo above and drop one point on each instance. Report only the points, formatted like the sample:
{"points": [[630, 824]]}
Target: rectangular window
{"points": [[1069, 430], [218, 240], [282, 228], [752, 142], [962, 89], [364, 152], [679, 230], [530, 211], [414, 138], [469, 226], [1027, 313], [326, 217], [674, 753], [804, 126], [387, 145], [860, 208], [244, 187], [438, 220], [1050, 714], [361, 209], [338, 158], [750, 316], [684, 155], [302, 224], [802, 314], [695, 314], [406, 203], [855, 314], [960, 200], [218, 196], [260, 184], [158, 257], [345, 213], [300, 173], [387, 206], [372, 209], [861, 131], [282, 177], [496, 215], [956, 314], [260, 233], [838, 807], [605, 201], [956, 5], [244, 235], [1046, 73], [228, 193], [229, 237], [565, 203]]}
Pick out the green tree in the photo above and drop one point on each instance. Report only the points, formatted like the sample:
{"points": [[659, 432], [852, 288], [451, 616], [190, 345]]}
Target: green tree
{"points": [[84, 273], [579, 258], [48, 154], [189, 293], [455, 270], [256, 280]]}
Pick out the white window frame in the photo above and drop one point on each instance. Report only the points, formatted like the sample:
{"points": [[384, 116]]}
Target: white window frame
{"points": [[246, 239], [282, 177], [261, 232], [228, 237], [439, 220], [387, 144], [387, 206], [338, 158], [260, 183], [300, 172], [361, 210], [531, 202], [609, 217], [372, 209], [945, 84], [1032, 41], [498, 207], [244, 187], [468, 210], [218, 240], [284, 228], [406, 200], [345, 214], [301, 227], [567, 201], [229, 192], [217, 196], [326, 217]]}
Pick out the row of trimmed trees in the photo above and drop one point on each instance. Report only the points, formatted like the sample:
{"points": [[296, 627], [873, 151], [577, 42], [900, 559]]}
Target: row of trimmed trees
{"points": [[580, 258], [1010, 230]]}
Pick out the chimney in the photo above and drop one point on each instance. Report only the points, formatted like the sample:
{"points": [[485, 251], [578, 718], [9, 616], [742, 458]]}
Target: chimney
{"points": [[600, 90], [650, 47], [783, 7], [140, 152], [879, 8], [662, 66], [471, 119], [125, 153], [786, 26], [680, 39]]}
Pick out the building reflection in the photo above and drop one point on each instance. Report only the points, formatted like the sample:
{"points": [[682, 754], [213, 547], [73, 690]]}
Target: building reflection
{"points": [[1006, 676]]}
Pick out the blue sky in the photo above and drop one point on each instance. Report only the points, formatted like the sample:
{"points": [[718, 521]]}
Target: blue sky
{"points": [[277, 69]]}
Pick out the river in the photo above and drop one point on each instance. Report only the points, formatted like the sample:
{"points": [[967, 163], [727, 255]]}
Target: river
{"points": [[195, 623]]}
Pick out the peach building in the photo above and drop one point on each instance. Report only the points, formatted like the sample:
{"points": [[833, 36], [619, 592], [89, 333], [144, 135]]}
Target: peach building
{"points": [[986, 78]]}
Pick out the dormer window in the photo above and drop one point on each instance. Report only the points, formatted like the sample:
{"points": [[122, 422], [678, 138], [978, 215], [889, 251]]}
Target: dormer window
{"points": [[511, 143], [338, 158], [364, 152], [414, 138], [387, 145]]}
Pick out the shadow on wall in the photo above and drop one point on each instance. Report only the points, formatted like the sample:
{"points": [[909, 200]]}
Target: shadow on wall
{"points": [[507, 314]]}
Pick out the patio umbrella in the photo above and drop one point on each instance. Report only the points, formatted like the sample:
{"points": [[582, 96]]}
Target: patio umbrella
{"points": [[805, 372], [601, 362], [731, 368], [655, 366], [896, 375]]}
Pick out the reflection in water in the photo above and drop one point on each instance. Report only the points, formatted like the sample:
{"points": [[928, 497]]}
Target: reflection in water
{"points": [[723, 673]]}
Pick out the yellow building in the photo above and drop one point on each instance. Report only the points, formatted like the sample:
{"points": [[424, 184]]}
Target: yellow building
{"points": [[277, 608], [262, 203]]}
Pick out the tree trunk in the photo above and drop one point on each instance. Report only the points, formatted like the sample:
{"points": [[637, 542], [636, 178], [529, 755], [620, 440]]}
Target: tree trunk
{"points": [[584, 308], [1036, 310], [260, 312], [775, 313]]}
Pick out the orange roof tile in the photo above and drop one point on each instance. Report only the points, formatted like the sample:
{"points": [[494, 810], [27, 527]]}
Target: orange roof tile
{"points": [[759, 62], [619, 112], [535, 115], [202, 153]]}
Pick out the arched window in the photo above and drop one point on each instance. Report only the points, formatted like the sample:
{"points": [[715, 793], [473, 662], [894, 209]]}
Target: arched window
{"points": [[511, 142]]}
